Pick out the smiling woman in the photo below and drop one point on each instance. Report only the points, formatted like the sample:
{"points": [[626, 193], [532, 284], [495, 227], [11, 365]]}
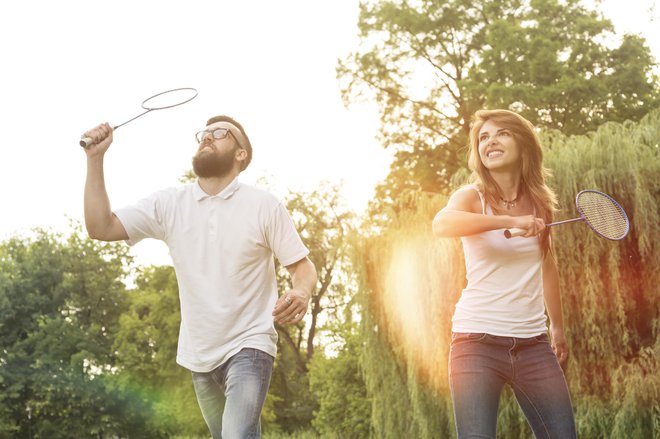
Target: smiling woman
{"points": [[498, 150], [499, 332], [506, 158]]}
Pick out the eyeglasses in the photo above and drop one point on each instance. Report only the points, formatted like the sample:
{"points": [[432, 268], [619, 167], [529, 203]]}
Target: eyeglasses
{"points": [[218, 133]]}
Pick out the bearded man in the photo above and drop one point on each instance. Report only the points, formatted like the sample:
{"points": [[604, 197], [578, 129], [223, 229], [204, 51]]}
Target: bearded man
{"points": [[222, 235]]}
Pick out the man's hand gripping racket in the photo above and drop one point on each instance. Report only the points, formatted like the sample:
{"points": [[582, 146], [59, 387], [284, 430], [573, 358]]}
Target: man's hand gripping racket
{"points": [[160, 101]]}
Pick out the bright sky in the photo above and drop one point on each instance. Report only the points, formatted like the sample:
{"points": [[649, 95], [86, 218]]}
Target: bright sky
{"points": [[69, 65]]}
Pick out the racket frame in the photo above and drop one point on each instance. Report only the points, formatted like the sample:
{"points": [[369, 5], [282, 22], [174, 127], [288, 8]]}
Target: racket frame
{"points": [[86, 142], [513, 232]]}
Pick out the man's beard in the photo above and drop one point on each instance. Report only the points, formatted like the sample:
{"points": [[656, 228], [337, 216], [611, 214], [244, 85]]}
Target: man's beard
{"points": [[213, 164]]}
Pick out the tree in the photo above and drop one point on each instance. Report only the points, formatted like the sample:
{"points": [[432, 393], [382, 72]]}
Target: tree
{"points": [[431, 64], [146, 346], [60, 299], [611, 299], [324, 224], [344, 407], [408, 285]]}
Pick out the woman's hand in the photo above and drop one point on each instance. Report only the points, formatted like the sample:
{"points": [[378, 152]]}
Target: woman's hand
{"points": [[533, 225], [559, 346]]}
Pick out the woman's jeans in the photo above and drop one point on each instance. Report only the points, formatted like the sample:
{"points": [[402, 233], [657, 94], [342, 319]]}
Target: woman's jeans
{"points": [[479, 367], [232, 395]]}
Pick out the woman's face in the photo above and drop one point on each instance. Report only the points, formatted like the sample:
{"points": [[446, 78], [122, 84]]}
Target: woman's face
{"points": [[498, 150]]}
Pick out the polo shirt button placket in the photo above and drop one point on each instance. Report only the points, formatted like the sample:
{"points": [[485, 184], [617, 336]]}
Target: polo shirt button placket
{"points": [[213, 227]]}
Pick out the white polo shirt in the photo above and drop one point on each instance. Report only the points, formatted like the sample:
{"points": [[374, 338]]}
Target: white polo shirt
{"points": [[222, 248]]}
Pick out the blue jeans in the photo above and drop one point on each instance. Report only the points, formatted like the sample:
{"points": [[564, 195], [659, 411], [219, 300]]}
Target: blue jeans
{"points": [[231, 396], [479, 367]]}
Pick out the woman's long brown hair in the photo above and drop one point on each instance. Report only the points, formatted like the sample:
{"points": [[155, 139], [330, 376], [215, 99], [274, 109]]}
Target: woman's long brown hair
{"points": [[532, 171]]}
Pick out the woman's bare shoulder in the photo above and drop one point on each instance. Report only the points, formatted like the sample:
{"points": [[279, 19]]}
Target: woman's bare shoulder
{"points": [[465, 198]]}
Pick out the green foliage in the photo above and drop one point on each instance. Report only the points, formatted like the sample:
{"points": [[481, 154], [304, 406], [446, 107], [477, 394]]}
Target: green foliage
{"points": [[146, 346], [83, 355], [325, 224], [147, 339], [344, 408], [430, 64], [610, 289], [293, 403], [637, 384], [611, 302], [300, 434], [410, 284], [60, 300]]}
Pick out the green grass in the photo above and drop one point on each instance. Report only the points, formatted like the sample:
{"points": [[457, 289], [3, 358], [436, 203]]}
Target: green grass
{"points": [[295, 435]]}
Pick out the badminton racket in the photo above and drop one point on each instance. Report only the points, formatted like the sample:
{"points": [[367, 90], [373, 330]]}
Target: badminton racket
{"points": [[601, 213], [160, 101]]}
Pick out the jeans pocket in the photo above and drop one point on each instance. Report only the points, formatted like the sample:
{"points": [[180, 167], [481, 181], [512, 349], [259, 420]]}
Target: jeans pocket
{"points": [[542, 338], [259, 360]]}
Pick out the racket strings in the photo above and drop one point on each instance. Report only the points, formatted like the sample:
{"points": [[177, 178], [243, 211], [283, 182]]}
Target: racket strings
{"points": [[604, 215]]}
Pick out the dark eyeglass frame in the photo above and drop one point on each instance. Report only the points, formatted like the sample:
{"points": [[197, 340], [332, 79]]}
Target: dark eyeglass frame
{"points": [[218, 134]]}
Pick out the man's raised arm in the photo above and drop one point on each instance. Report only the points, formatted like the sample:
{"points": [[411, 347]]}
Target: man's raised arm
{"points": [[100, 222]]}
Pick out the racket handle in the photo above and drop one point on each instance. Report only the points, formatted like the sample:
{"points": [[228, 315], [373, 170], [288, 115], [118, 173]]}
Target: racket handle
{"points": [[510, 233], [87, 141]]}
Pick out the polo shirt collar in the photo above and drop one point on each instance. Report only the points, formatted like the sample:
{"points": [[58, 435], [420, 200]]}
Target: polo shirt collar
{"points": [[225, 194]]}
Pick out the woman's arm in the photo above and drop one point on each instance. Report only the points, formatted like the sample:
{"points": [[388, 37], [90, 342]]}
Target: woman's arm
{"points": [[552, 298], [462, 217]]}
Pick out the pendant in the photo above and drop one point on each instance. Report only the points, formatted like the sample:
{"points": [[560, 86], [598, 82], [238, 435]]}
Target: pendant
{"points": [[509, 203]]}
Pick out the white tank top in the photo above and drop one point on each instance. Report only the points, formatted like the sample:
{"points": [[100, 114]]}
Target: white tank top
{"points": [[504, 292]]}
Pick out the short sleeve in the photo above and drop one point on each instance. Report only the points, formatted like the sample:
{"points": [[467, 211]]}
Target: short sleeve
{"points": [[145, 219], [283, 238]]}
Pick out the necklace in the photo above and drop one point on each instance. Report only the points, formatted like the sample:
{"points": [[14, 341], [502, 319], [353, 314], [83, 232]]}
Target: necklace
{"points": [[509, 203]]}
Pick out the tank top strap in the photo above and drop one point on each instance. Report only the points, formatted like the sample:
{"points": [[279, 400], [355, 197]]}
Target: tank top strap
{"points": [[481, 197]]}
